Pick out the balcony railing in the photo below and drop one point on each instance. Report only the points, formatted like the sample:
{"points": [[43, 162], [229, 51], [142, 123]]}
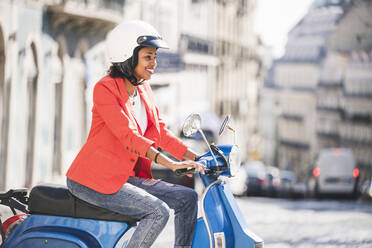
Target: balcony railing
{"points": [[329, 84], [190, 43], [356, 133], [115, 5], [292, 117], [101, 12], [329, 135], [294, 144]]}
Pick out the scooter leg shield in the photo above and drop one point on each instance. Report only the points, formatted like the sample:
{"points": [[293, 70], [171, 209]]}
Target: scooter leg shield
{"points": [[223, 225], [201, 238]]}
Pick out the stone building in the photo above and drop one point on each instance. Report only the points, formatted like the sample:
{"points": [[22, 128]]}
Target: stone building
{"points": [[48, 67], [296, 76], [351, 46], [238, 76], [52, 52], [323, 83]]}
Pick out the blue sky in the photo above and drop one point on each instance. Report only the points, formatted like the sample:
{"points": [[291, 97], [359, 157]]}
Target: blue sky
{"points": [[274, 19]]}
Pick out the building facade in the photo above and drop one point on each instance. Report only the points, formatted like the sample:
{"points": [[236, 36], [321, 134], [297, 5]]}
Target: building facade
{"points": [[323, 83], [52, 52], [235, 90], [48, 64], [352, 44], [296, 77]]}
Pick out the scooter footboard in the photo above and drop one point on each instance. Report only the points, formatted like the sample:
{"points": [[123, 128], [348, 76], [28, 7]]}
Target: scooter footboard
{"points": [[224, 222], [64, 232]]}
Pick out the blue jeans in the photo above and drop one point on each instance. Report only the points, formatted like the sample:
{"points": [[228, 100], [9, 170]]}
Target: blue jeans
{"points": [[148, 200]]}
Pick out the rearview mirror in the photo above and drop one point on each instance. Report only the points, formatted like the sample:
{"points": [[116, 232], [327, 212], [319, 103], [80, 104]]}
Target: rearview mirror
{"points": [[191, 125], [224, 124]]}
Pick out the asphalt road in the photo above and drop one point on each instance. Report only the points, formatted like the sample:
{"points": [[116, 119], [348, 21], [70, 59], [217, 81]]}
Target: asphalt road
{"points": [[309, 223]]}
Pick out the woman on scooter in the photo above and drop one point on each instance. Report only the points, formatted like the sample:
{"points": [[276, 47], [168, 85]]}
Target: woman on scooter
{"points": [[112, 170]]}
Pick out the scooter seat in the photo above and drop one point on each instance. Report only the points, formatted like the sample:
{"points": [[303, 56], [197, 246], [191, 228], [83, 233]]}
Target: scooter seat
{"points": [[50, 199]]}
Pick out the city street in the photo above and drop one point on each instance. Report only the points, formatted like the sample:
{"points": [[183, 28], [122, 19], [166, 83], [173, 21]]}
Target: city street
{"points": [[302, 224], [272, 98]]}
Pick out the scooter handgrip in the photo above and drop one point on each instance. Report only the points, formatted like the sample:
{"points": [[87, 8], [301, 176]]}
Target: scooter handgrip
{"points": [[185, 171]]}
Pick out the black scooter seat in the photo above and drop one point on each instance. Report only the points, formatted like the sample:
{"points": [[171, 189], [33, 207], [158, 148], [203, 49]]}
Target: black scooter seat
{"points": [[50, 199]]}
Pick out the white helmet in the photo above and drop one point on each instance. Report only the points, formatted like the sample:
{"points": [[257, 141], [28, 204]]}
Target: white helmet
{"points": [[125, 37]]}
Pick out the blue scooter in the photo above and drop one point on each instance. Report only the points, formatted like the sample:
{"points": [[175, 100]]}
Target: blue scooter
{"points": [[52, 217]]}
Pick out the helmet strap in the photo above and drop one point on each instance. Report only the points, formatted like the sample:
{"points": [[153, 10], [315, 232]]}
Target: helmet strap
{"points": [[136, 82]]}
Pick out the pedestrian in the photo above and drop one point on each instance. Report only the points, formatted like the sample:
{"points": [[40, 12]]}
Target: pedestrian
{"points": [[112, 170]]}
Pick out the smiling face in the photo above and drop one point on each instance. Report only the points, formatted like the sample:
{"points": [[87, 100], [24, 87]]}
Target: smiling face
{"points": [[146, 63]]}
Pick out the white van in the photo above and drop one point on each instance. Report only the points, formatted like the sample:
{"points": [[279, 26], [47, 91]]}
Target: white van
{"points": [[335, 172]]}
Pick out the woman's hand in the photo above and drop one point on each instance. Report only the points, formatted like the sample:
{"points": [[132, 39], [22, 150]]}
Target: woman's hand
{"points": [[153, 154], [190, 155], [187, 164]]}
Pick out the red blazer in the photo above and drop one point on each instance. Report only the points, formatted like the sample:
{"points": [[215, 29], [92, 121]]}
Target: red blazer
{"points": [[116, 146]]}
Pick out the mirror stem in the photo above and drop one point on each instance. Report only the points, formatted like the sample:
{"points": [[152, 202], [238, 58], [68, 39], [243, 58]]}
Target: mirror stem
{"points": [[209, 147], [233, 130]]}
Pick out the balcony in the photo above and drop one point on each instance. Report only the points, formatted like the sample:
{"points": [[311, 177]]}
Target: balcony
{"points": [[358, 94], [329, 105], [328, 135], [357, 106], [294, 144], [292, 117], [304, 54], [169, 62], [356, 133], [85, 14], [193, 44], [329, 84], [327, 128]]}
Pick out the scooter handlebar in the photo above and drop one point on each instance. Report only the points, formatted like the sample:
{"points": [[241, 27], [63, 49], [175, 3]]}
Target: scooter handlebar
{"points": [[185, 171]]}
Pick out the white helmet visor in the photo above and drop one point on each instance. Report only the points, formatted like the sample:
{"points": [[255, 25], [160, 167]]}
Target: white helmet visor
{"points": [[149, 40]]}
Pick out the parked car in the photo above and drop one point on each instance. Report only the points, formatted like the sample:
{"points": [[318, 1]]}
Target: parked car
{"points": [[272, 181], [287, 181], [366, 190], [256, 173], [290, 187], [335, 173]]}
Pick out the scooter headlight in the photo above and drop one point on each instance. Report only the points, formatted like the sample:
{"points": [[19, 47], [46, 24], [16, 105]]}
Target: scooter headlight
{"points": [[234, 160]]}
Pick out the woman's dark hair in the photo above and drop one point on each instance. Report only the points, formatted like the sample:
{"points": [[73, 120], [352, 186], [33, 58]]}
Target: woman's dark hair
{"points": [[114, 72], [126, 69]]}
